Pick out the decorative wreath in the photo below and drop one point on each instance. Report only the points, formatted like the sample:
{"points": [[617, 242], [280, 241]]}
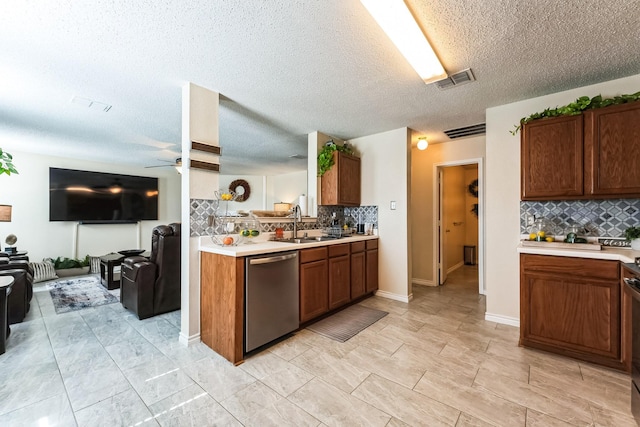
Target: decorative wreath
{"points": [[241, 197], [473, 188]]}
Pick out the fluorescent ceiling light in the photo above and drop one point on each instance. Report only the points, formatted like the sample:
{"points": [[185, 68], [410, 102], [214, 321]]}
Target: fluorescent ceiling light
{"points": [[397, 21]]}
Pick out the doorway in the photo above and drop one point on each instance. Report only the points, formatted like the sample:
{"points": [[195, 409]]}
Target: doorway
{"points": [[458, 229]]}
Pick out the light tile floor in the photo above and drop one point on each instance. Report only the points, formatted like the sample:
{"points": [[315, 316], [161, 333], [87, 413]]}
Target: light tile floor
{"points": [[434, 361]]}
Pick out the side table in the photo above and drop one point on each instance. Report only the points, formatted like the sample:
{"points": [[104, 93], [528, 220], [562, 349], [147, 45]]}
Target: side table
{"points": [[5, 289], [107, 264]]}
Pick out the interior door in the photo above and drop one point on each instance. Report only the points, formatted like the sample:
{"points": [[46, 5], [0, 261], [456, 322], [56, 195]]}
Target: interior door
{"points": [[442, 271]]}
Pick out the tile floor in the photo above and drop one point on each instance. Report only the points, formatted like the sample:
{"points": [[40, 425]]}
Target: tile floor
{"points": [[431, 362]]}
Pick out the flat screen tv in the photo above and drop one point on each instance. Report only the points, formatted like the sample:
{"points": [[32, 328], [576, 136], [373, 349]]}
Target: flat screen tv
{"points": [[96, 197]]}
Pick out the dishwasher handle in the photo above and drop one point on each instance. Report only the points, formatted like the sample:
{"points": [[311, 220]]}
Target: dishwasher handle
{"points": [[272, 259]]}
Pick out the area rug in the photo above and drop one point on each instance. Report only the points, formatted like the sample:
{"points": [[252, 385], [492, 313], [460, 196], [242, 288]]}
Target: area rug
{"points": [[78, 293], [347, 323]]}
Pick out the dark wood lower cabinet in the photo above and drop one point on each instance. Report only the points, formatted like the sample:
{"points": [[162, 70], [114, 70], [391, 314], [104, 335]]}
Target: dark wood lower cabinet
{"points": [[339, 275], [371, 266], [357, 270], [333, 276], [571, 306], [314, 283]]}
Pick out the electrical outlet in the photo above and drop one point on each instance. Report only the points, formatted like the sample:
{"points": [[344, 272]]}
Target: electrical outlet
{"points": [[393, 205]]}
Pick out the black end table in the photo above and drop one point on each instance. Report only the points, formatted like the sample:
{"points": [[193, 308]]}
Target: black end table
{"points": [[107, 263]]}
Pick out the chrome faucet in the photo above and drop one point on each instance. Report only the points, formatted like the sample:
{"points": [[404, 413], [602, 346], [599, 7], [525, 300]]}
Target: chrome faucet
{"points": [[297, 216]]}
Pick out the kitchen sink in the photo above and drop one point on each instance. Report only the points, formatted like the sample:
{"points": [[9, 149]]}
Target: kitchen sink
{"points": [[308, 239]]}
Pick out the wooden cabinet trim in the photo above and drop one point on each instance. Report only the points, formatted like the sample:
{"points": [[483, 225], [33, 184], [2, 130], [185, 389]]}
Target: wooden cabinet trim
{"points": [[571, 266], [340, 185], [222, 304], [314, 254], [576, 315], [339, 250], [357, 247], [551, 158], [612, 151]]}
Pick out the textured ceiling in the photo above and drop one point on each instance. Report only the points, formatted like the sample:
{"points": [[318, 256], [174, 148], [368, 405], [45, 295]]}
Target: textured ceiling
{"points": [[284, 68]]}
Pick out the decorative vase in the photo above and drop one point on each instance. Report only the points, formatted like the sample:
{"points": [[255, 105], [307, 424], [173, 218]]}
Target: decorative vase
{"points": [[635, 244]]}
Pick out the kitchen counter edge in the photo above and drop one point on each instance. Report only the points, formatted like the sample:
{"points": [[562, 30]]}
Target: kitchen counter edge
{"points": [[206, 245], [616, 254]]}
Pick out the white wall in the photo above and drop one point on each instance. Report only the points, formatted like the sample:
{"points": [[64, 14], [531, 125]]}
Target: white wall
{"points": [[267, 190], [423, 164], [286, 188], [199, 122], [28, 193], [256, 198], [503, 192], [385, 160]]}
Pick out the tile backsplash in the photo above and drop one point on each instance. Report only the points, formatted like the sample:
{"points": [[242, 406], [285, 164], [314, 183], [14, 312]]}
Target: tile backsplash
{"points": [[369, 214], [200, 209], [598, 218]]}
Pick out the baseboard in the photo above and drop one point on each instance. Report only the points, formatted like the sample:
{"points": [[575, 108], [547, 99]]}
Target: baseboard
{"points": [[455, 267], [505, 320], [423, 282], [187, 341], [395, 297]]}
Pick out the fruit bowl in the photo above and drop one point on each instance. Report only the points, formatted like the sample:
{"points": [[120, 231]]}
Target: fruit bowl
{"points": [[227, 239], [250, 228], [225, 195]]}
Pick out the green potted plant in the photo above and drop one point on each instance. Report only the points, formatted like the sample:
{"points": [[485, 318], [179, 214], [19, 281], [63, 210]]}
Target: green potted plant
{"points": [[6, 163], [325, 156], [71, 266], [577, 107], [633, 235]]}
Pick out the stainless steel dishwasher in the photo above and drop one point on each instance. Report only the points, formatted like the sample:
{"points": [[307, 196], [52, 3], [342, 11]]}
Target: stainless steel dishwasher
{"points": [[271, 298]]}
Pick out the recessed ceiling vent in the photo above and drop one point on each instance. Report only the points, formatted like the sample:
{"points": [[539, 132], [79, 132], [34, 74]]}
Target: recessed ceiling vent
{"points": [[479, 129], [457, 79]]}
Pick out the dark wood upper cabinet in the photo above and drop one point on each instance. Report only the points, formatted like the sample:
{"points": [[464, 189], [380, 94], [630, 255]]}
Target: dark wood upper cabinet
{"points": [[612, 151], [340, 185], [589, 156], [551, 154]]}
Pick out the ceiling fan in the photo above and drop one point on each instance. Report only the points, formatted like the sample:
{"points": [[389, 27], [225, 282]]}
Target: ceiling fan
{"points": [[176, 164]]}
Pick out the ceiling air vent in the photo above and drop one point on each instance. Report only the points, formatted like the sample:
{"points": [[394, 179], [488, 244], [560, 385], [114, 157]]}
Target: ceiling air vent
{"points": [[457, 79], [479, 129]]}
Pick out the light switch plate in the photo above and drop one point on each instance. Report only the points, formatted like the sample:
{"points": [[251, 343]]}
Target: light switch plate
{"points": [[393, 205]]}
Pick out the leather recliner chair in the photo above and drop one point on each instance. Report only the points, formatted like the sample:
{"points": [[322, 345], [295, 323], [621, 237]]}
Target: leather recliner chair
{"points": [[19, 301], [149, 287]]}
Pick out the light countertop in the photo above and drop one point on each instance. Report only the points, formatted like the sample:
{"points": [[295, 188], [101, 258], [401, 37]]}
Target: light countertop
{"points": [[265, 246], [625, 255]]}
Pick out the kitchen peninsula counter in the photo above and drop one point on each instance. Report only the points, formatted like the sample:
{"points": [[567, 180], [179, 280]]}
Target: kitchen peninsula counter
{"points": [[267, 246], [624, 255], [222, 286]]}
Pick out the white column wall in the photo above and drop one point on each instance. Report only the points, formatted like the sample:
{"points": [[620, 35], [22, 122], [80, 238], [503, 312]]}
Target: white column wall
{"points": [[385, 162], [199, 122]]}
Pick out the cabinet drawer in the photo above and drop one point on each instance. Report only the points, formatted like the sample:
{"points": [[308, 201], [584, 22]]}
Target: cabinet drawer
{"points": [[338, 250], [572, 267], [372, 244], [357, 247], [310, 255]]}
